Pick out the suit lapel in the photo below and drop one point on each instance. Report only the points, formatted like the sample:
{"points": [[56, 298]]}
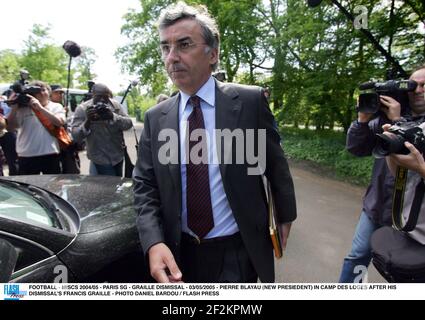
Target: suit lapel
{"points": [[227, 113], [170, 120]]}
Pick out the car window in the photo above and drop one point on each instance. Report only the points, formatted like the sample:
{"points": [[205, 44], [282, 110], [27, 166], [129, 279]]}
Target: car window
{"points": [[75, 99], [28, 253], [21, 206]]}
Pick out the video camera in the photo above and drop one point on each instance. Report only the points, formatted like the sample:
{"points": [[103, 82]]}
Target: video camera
{"points": [[21, 99], [89, 94], [401, 132], [397, 89]]}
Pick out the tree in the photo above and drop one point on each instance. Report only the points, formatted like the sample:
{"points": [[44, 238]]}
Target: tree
{"points": [[141, 55], [42, 59], [240, 27], [45, 61], [84, 67], [313, 58], [9, 66]]}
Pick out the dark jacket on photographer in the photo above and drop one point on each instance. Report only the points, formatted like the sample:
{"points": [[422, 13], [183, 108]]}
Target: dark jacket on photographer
{"points": [[104, 138], [361, 140]]}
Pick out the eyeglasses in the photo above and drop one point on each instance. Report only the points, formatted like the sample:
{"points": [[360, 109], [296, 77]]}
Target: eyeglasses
{"points": [[179, 47]]}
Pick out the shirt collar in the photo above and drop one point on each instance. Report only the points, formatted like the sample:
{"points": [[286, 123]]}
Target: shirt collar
{"points": [[206, 93]]}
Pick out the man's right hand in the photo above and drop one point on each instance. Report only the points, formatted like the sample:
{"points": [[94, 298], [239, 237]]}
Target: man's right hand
{"points": [[162, 265], [391, 107], [91, 114]]}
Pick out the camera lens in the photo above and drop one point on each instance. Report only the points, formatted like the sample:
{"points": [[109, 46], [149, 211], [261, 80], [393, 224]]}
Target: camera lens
{"points": [[388, 144], [369, 103]]}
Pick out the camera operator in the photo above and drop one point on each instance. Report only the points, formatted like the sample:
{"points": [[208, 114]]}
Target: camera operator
{"points": [[38, 151], [101, 121], [377, 202]]}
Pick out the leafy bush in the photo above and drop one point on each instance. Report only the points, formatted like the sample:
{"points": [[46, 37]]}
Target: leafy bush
{"points": [[145, 105], [139, 104], [327, 148]]}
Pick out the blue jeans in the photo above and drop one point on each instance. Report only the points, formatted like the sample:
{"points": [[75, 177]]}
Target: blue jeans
{"points": [[356, 263], [108, 170]]}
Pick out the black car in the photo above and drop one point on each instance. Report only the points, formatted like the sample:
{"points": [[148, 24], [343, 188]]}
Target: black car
{"points": [[68, 228]]}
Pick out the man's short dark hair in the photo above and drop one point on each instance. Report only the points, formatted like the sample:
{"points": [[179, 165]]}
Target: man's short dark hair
{"points": [[181, 10]]}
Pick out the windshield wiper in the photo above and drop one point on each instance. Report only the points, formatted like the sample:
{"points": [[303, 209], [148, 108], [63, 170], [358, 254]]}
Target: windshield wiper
{"points": [[45, 198], [42, 197]]}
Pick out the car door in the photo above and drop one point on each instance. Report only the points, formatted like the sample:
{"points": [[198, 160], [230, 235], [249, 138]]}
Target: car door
{"points": [[36, 263]]}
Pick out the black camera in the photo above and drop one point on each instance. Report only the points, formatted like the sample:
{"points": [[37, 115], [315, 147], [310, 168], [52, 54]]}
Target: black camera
{"points": [[397, 89], [401, 132], [21, 99], [102, 109]]}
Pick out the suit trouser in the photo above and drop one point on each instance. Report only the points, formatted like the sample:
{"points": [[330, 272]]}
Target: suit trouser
{"points": [[223, 259], [48, 164], [8, 144]]}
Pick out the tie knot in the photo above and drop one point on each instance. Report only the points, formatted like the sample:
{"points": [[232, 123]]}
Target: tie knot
{"points": [[195, 101]]}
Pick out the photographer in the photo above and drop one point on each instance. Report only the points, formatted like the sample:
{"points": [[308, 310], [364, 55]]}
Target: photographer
{"points": [[377, 202], [38, 151], [101, 121]]}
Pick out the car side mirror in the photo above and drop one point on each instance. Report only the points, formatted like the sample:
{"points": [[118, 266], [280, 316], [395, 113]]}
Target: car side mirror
{"points": [[8, 258]]}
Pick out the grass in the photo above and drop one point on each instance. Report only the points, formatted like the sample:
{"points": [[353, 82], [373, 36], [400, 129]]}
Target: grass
{"points": [[327, 149]]}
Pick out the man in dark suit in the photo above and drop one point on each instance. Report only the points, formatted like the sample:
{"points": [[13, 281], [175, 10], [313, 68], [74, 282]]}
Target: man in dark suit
{"points": [[207, 221]]}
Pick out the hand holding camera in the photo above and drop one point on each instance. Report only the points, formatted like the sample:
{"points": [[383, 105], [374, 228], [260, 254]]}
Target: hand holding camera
{"points": [[34, 103], [390, 107], [91, 114], [394, 139], [103, 110], [378, 96], [99, 111], [413, 160], [22, 95]]}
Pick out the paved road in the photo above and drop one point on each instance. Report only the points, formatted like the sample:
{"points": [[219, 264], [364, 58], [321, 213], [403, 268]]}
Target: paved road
{"points": [[321, 236], [327, 215]]}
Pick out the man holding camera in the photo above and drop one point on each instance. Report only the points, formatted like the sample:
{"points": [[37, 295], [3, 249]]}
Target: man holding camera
{"points": [[38, 150], [377, 202], [101, 121]]}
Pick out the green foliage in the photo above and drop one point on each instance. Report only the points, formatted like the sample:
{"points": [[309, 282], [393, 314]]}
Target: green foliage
{"points": [[83, 69], [327, 148], [9, 66], [144, 105], [141, 56], [138, 103], [45, 60], [239, 25], [312, 58]]}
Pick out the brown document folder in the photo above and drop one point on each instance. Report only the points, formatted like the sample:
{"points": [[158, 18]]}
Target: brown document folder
{"points": [[273, 227]]}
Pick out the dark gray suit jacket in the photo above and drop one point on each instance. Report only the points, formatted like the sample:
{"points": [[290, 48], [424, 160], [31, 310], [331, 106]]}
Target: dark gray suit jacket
{"points": [[157, 189]]}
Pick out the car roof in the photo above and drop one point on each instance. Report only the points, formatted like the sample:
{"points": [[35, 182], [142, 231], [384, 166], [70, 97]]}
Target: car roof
{"points": [[76, 91], [4, 87]]}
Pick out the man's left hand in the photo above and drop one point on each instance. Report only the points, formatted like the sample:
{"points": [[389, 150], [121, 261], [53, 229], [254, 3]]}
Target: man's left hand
{"points": [[413, 161], [284, 229], [107, 114]]}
